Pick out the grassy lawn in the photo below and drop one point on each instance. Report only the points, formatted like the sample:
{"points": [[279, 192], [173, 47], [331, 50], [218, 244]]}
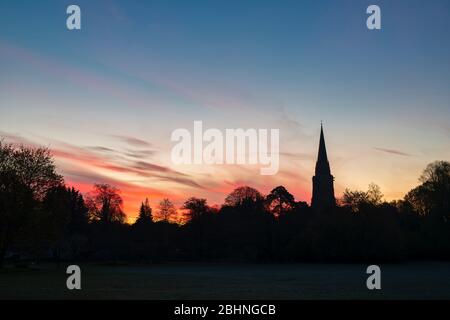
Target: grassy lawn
{"points": [[223, 281]]}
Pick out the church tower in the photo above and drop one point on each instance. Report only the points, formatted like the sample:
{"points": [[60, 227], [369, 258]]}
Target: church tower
{"points": [[323, 190]]}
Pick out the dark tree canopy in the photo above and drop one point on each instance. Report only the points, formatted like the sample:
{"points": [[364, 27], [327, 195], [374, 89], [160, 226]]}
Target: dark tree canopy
{"points": [[26, 176], [40, 218], [195, 208], [433, 195], [105, 204], [17, 205], [437, 173], [34, 167], [145, 213], [243, 195], [279, 201], [67, 208], [354, 199]]}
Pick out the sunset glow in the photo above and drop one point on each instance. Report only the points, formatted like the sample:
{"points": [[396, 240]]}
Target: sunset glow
{"points": [[106, 99]]}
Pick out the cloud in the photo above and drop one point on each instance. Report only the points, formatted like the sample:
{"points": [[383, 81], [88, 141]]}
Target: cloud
{"points": [[62, 71], [82, 166], [101, 149], [132, 141], [137, 168], [140, 154], [180, 180], [392, 151], [141, 165], [171, 175], [132, 194], [136, 154], [15, 139], [98, 157]]}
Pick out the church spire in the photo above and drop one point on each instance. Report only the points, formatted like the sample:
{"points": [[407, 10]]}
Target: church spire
{"points": [[323, 189], [322, 165]]}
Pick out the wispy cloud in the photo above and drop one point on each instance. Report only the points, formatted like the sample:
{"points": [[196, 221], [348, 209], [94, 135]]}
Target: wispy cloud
{"points": [[137, 168], [58, 69], [141, 165], [393, 151], [111, 161], [133, 141], [138, 177], [101, 149], [139, 154]]}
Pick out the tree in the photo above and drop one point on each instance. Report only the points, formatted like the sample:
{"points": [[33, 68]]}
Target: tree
{"points": [[433, 195], [437, 173], [166, 211], [195, 207], [26, 175], [145, 213], [279, 200], [105, 204], [355, 198], [34, 167], [66, 218], [17, 206], [64, 201], [420, 199], [243, 195], [64, 221], [374, 195]]}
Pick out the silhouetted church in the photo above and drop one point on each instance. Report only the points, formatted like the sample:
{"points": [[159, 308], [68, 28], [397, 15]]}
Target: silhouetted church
{"points": [[323, 190]]}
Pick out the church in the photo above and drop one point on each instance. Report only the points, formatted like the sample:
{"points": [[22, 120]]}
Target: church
{"points": [[323, 189]]}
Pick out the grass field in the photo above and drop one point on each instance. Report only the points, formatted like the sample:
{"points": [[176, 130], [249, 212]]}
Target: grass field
{"points": [[222, 281]]}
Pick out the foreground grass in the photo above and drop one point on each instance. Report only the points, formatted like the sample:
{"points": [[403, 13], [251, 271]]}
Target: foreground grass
{"points": [[223, 281]]}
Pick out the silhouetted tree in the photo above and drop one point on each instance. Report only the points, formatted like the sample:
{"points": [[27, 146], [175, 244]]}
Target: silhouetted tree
{"points": [[34, 167], [105, 204], [166, 211], [26, 175], [69, 202], [38, 214], [243, 195], [196, 208], [17, 206], [145, 213], [420, 199], [279, 201], [65, 220], [354, 199], [433, 195], [438, 174]]}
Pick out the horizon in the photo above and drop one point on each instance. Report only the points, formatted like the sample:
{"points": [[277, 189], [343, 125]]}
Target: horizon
{"points": [[105, 98], [154, 204]]}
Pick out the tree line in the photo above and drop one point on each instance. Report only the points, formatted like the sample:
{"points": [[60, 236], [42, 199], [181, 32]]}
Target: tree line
{"points": [[42, 218]]}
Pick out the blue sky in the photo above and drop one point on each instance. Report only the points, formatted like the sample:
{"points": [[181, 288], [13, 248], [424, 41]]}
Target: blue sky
{"points": [[143, 68]]}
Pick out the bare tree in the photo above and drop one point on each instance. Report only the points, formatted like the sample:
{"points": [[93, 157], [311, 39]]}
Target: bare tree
{"points": [[355, 198], [166, 211], [105, 204]]}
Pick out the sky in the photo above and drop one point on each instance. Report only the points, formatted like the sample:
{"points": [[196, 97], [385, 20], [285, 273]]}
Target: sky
{"points": [[105, 99]]}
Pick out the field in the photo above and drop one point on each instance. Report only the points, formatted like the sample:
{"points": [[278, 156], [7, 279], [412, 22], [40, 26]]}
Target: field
{"points": [[223, 281]]}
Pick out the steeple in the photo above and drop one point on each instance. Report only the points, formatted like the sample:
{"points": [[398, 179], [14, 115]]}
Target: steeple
{"points": [[322, 165], [323, 189]]}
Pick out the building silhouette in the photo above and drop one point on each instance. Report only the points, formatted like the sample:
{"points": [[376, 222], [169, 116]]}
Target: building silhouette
{"points": [[323, 190]]}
